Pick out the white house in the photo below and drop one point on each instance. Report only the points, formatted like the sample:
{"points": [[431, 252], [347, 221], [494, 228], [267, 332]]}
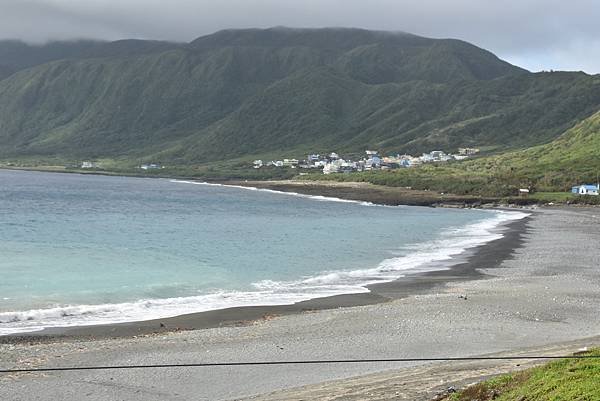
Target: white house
{"points": [[585, 189], [89, 164]]}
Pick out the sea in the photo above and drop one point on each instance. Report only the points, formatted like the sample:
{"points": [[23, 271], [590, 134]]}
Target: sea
{"points": [[81, 249]]}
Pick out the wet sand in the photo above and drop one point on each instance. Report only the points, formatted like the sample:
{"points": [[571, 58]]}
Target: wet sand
{"points": [[538, 286]]}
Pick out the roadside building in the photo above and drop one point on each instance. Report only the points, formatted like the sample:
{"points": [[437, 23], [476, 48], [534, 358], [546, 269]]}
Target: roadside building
{"points": [[293, 163], [89, 164], [151, 166], [585, 189], [313, 158], [468, 151]]}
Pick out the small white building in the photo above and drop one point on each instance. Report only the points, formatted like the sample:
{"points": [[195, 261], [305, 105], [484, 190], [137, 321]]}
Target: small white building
{"points": [[89, 164], [290, 163], [586, 189]]}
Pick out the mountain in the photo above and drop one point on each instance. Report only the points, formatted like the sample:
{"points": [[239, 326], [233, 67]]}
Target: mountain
{"points": [[16, 55], [245, 93]]}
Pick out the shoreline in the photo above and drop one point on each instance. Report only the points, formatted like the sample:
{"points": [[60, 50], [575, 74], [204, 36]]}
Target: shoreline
{"points": [[462, 267], [540, 296], [357, 191]]}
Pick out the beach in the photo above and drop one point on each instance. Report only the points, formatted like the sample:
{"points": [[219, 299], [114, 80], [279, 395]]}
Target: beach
{"points": [[535, 290]]}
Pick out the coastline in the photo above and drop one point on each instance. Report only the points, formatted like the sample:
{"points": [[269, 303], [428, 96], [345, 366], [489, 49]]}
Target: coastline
{"points": [[357, 191], [542, 298], [436, 274], [377, 194]]}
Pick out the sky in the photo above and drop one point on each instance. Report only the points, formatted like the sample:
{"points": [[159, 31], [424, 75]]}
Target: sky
{"points": [[534, 34]]}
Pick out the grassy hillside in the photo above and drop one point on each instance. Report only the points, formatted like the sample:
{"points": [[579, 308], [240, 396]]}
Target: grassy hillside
{"points": [[563, 380], [244, 93], [571, 159]]}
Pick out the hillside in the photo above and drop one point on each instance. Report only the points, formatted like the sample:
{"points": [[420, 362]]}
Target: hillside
{"points": [[571, 159], [241, 93], [16, 55]]}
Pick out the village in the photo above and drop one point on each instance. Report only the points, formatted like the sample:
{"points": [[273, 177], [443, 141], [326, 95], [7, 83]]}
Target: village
{"points": [[334, 163]]}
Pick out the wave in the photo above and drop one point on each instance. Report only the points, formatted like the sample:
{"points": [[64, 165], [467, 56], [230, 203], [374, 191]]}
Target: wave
{"points": [[89, 315], [419, 257], [273, 191], [416, 258]]}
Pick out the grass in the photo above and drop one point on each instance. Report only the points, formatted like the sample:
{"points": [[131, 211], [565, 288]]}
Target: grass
{"points": [[562, 380], [561, 197]]}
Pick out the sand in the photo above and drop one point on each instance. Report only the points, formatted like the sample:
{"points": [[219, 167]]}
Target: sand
{"points": [[545, 297]]}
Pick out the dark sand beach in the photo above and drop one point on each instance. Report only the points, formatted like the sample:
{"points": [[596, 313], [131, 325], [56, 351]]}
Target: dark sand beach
{"points": [[535, 290], [463, 267]]}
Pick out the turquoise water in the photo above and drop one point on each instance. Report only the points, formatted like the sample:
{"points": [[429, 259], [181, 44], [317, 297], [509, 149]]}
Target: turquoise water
{"points": [[78, 249]]}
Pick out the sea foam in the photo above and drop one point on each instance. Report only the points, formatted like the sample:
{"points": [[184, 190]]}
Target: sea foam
{"points": [[415, 258]]}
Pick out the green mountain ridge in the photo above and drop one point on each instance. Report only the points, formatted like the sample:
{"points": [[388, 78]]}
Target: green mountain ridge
{"points": [[240, 93]]}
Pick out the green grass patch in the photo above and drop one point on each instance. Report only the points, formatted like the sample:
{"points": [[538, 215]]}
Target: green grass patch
{"points": [[561, 197], [562, 380]]}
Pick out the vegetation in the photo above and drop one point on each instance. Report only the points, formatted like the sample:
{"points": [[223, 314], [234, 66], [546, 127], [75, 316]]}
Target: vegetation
{"points": [[563, 380], [571, 159], [246, 93]]}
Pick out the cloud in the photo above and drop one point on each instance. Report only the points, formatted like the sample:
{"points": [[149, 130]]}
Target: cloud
{"points": [[537, 34]]}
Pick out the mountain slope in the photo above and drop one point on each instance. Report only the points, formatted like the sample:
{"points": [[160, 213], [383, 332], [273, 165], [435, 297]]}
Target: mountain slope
{"points": [[572, 158], [16, 55], [241, 93]]}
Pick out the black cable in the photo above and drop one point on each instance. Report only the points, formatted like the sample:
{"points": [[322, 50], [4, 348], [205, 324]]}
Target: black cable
{"points": [[301, 362]]}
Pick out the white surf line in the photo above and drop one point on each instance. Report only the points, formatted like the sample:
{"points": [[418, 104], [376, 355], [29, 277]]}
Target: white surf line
{"points": [[269, 292], [249, 188]]}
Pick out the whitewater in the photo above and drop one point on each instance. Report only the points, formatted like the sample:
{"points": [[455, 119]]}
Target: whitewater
{"points": [[218, 246]]}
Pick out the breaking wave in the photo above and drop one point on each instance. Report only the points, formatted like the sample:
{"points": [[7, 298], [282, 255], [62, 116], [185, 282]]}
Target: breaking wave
{"points": [[415, 258]]}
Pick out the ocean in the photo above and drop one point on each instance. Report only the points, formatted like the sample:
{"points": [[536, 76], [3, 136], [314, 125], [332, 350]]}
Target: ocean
{"points": [[85, 249]]}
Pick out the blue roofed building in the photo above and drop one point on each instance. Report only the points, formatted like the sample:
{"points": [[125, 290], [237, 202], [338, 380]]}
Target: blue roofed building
{"points": [[585, 189]]}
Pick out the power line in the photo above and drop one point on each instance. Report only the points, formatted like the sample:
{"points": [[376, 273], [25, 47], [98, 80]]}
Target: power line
{"points": [[298, 362]]}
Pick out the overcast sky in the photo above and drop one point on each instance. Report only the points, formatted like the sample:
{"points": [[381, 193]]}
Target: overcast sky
{"points": [[535, 34]]}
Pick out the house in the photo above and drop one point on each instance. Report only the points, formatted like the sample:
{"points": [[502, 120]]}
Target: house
{"points": [[585, 189], [524, 192], [313, 158], [331, 168], [151, 166], [257, 163], [339, 166], [290, 163], [374, 162], [468, 151], [89, 164]]}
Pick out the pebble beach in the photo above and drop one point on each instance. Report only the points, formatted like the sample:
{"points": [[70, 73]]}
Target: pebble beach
{"points": [[538, 288]]}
